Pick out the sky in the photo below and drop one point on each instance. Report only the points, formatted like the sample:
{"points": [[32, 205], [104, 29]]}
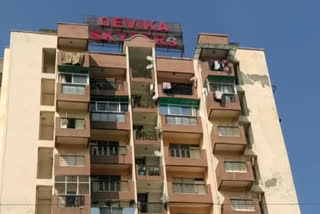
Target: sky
{"points": [[287, 30]]}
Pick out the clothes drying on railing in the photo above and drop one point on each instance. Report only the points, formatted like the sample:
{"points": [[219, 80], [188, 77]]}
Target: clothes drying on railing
{"points": [[72, 58], [218, 95], [219, 65], [166, 85]]}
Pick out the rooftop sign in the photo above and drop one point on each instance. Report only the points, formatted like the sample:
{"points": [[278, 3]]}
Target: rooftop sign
{"points": [[115, 30]]}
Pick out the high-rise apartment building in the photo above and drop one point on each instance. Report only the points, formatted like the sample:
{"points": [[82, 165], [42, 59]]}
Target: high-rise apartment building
{"points": [[132, 132]]}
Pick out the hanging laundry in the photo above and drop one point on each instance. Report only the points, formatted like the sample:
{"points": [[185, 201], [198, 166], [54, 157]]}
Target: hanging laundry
{"points": [[218, 95], [72, 58], [166, 85], [217, 65]]}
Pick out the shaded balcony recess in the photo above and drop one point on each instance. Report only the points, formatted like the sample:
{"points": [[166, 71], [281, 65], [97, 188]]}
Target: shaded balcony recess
{"points": [[148, 170], [177, 88], [142, 102], [150, 207], [102, 84], [146, 135]]}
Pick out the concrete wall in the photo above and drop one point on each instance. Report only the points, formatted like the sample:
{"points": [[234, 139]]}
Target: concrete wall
{"points": [[19, 121], [269, 146]]}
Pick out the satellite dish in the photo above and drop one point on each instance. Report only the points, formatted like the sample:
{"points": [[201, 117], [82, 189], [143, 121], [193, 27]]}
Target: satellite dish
{"points": [[149, 58], [157, 153], [150, 66]]}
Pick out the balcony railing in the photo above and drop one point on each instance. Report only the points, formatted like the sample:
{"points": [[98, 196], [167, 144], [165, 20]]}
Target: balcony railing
{"points": [[150, 207], [144, 170], [108, 116], [110, 186], [181, 120], [75, 89], [242, 204], [185, 188], [71, 201], [72, 123], [72, 160], [146, 135]]}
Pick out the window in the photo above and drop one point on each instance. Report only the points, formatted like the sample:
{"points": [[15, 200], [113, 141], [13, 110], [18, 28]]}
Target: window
{"points": [[71, 160], [107, 183], [70, 78], [235, 166], [189, 185], [178, 110], [71, 185], [229, 131], [72, 123], [242, 204], [226, 86], [184, 151], [107, 148], [109, 106]]}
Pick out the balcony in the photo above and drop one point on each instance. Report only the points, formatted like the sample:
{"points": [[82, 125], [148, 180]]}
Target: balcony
{"points": [[110, 120], [228, 109], [206, 70], [71, 204], [228, 139], [240, 206], [234, 175], [104, 88], [188, 158], [189, 193], [72, 165], [115, 61], [73, 36], [113, 190], [146, 138], [73, 96], [151, 207], [177, 90], [181, 124], [142, 75], [72, 130], [121, 155], [143, 104], [149, 173]]}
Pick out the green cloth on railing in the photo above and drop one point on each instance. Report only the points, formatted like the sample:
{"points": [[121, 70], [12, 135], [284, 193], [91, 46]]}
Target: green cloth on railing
{"points": [[179, 101]]}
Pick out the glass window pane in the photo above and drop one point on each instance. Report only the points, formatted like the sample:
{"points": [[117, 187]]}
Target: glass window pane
{"points": [[71, 178], [124, 107], [60, 178], [83, 179], [84, 188], [113, 107], [59, 188], [101, 106], [163, 110], [186, 111], [71, 188], [79, 79], [176, 110]]}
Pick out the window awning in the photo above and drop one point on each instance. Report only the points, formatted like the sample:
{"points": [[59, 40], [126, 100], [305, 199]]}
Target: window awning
{"points": [[178, 101], [225, 79], [73, 69]]}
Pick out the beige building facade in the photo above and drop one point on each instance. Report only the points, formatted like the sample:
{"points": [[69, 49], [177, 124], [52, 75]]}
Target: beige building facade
{"points": [[92, 132]]}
